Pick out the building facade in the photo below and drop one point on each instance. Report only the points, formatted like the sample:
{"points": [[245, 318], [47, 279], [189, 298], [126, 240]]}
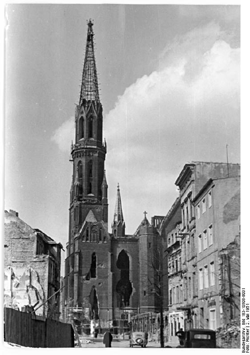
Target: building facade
{"points": [[172, 276], [196, 213], [32, 262], [217, 208]]}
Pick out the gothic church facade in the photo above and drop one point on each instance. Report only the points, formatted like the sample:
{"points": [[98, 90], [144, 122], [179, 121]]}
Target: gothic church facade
{"points": [[109, 277]]}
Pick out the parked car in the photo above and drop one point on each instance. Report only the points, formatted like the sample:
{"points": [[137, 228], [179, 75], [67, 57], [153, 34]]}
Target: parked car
{"points": [[198, 338], [138, 339]]}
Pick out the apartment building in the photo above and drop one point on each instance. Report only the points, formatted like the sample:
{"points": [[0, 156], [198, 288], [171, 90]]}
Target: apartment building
{"points": [[173, 270], [217, 207], [191, 181]]}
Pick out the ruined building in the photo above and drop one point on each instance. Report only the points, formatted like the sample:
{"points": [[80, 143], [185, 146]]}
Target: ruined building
{"points": [[32, 262], [109, 277]]}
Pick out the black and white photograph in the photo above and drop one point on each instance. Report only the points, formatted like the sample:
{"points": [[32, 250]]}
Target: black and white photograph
{"points": [[122, 176]]}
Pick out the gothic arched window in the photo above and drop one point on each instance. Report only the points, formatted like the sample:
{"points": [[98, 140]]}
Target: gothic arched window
{"points": [[80, 177], [90, 176], [81, 128], [91, 122]]}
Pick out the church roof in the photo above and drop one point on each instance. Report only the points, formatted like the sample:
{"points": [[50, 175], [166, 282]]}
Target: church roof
{"points": [[89, 86]]}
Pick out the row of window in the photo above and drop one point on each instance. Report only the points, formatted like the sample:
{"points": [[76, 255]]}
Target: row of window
{"points": [[207, 276], [205, 239], [94, 236], [180, 293], [187, 212], [90, 127], [79, 175], [206, 202], [174, 265]]}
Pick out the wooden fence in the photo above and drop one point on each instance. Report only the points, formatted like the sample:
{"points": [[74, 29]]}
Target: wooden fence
{"points": [[25, 329]]}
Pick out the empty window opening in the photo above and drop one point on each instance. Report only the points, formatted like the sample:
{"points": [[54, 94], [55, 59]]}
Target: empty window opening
{"points": [[93, 266], [91, 127], [81, 128], [80, 177], [90, 176], [123, 287]]}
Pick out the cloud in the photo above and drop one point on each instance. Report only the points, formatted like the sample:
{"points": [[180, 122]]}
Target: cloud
{"points": [[187, 110], [64, 134]]}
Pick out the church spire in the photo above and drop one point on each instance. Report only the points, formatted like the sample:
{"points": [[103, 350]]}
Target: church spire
{"points": [[118, 226], [89, 86]]}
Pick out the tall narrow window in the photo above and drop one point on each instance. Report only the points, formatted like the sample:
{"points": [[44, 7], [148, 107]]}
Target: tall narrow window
{"points": [[201, 279], [187, 215], [90, 176], [205, 239], [91, 127], [81, 128], [198, 209], [210, 235], [80, 177], [93, 266], [212, 319], [212, 274], [193, 285], [199, 244], [210, 199], [206, 285], [189, 287], [203, 205]]}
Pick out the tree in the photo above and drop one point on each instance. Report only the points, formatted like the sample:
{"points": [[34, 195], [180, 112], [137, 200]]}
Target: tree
{"points": [[160, 288]]}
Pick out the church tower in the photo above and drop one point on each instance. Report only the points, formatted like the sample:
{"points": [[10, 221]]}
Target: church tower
{"points": [[88, 262], [89, 185]]}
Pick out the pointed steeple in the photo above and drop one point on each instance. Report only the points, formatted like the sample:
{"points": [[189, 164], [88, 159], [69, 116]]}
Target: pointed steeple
{"points": [[89, 86], [118, 226], [118, 215], [104, 181]]}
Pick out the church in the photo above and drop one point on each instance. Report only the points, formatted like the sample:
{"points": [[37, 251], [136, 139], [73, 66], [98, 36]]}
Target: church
{"points": [[110, 278]]}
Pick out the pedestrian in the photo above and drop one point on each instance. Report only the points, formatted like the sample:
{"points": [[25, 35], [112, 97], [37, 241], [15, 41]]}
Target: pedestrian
{"points": [[181, 336], [107, 339]]}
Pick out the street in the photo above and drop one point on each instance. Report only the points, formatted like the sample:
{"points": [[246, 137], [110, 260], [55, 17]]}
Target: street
{"points": [[97, 343]]}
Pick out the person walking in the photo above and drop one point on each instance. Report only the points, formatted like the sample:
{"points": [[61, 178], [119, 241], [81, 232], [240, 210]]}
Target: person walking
{"points": [[107, 339]]}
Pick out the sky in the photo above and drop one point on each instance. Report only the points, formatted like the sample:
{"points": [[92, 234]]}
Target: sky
{"points": [[169, 78]]}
